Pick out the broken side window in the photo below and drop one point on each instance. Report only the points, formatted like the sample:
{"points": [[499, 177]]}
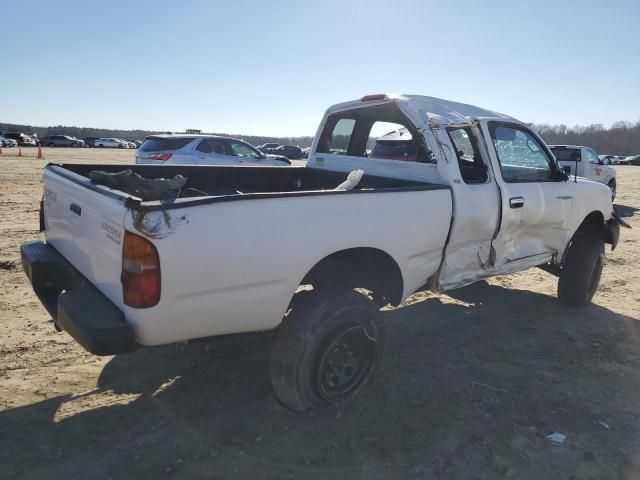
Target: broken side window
{"points": [[472, 167]]}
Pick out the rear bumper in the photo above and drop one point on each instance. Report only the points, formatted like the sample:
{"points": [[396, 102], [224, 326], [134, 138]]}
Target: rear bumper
{"points": [[76, 306]]}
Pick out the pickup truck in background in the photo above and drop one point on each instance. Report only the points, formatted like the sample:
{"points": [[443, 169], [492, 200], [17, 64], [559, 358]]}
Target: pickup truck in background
{"points": [[584, 162], [133, 260]]}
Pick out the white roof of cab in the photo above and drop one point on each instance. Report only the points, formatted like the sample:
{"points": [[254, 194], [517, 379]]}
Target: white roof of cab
{"points": [[436, 110]]}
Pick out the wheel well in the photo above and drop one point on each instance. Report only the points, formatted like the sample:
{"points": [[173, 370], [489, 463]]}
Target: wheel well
{"points": [[592, 223], [367, 268]]}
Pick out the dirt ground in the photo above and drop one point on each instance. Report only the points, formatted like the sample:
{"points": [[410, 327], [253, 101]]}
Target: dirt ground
{"points": [[471, 383]]}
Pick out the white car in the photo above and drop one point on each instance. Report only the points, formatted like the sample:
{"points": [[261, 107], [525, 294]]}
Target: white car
{"points": [[588, 164], [612, 159], [157, 255], [202, 150], [110, 143]]}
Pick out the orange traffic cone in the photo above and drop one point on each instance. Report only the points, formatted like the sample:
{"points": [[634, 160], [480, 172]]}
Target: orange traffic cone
{"points": [[19, 151], [39, 155]]}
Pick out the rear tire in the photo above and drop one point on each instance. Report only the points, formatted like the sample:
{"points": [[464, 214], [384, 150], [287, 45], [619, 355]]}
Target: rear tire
{"points": [[326, 349], [581, 271], [101, 146]]}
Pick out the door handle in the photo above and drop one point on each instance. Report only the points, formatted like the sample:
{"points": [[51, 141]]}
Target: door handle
{"points": [[516, 202], [75, 208]]}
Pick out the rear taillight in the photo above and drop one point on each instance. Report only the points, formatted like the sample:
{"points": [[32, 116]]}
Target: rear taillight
{"points": [[160, 156], [140, 272], [41, 214]]}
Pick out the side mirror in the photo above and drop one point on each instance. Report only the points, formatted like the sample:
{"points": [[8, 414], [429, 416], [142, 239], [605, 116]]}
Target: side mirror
{"points": [[567, 170]]}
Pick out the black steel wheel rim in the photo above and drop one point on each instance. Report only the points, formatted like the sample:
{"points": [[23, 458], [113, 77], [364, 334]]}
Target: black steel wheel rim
{"points": [[344, 362]]}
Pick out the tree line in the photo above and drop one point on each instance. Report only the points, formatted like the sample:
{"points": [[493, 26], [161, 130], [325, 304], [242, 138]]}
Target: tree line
{"points": [[622, 138], [80, 132]]}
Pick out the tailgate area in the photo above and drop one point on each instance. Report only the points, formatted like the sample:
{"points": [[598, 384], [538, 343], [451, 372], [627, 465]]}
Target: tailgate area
{"points": [[75, 305]]}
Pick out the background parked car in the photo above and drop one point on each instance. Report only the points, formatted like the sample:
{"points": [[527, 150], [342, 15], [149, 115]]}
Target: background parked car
{"points": [[7, 142], [633, 160], [267, 147], [110, 143], [90, 141], [62, 141], [612, 159], [290, 151], [203, 150], [22, 138]]}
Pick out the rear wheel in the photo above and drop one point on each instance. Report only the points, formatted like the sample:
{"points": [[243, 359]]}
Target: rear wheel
{"points": [[581, 271], [120, 146], [326, 349], [100, 145]]}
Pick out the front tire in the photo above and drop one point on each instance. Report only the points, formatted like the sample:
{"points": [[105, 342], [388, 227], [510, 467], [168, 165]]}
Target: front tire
{"points": [[581, 271], [326, 349]]}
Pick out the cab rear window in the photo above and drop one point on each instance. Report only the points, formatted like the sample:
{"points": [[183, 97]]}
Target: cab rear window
{"points": [[163, 144], [395, 150], [566, 154]]}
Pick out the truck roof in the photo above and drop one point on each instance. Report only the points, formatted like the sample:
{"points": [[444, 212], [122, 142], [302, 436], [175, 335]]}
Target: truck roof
{"points": [[438, 110]]}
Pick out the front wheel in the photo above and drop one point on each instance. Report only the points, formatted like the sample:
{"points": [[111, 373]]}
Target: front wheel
{"points": [[581, 271], [326, 349]]}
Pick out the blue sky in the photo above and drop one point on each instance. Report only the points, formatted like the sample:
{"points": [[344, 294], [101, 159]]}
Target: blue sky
{"points": [[273, 67]]}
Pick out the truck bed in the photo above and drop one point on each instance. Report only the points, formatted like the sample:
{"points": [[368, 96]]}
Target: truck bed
{"points": [[238, 241], [208, 184]]}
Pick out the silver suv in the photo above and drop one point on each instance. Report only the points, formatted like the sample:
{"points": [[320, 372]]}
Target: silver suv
{"points": [[203, 150]]}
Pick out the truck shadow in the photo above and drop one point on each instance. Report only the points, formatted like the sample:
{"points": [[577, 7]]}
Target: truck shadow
{"points": [[469, 388], [625, 211]]}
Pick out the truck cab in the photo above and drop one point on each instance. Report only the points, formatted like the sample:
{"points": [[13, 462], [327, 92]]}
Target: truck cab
{"points": [[514, 206], [584, 162]]}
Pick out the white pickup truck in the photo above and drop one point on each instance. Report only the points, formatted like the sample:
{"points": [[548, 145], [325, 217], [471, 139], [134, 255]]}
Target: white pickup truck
{"points": [[132, 260], [584, 162]]}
